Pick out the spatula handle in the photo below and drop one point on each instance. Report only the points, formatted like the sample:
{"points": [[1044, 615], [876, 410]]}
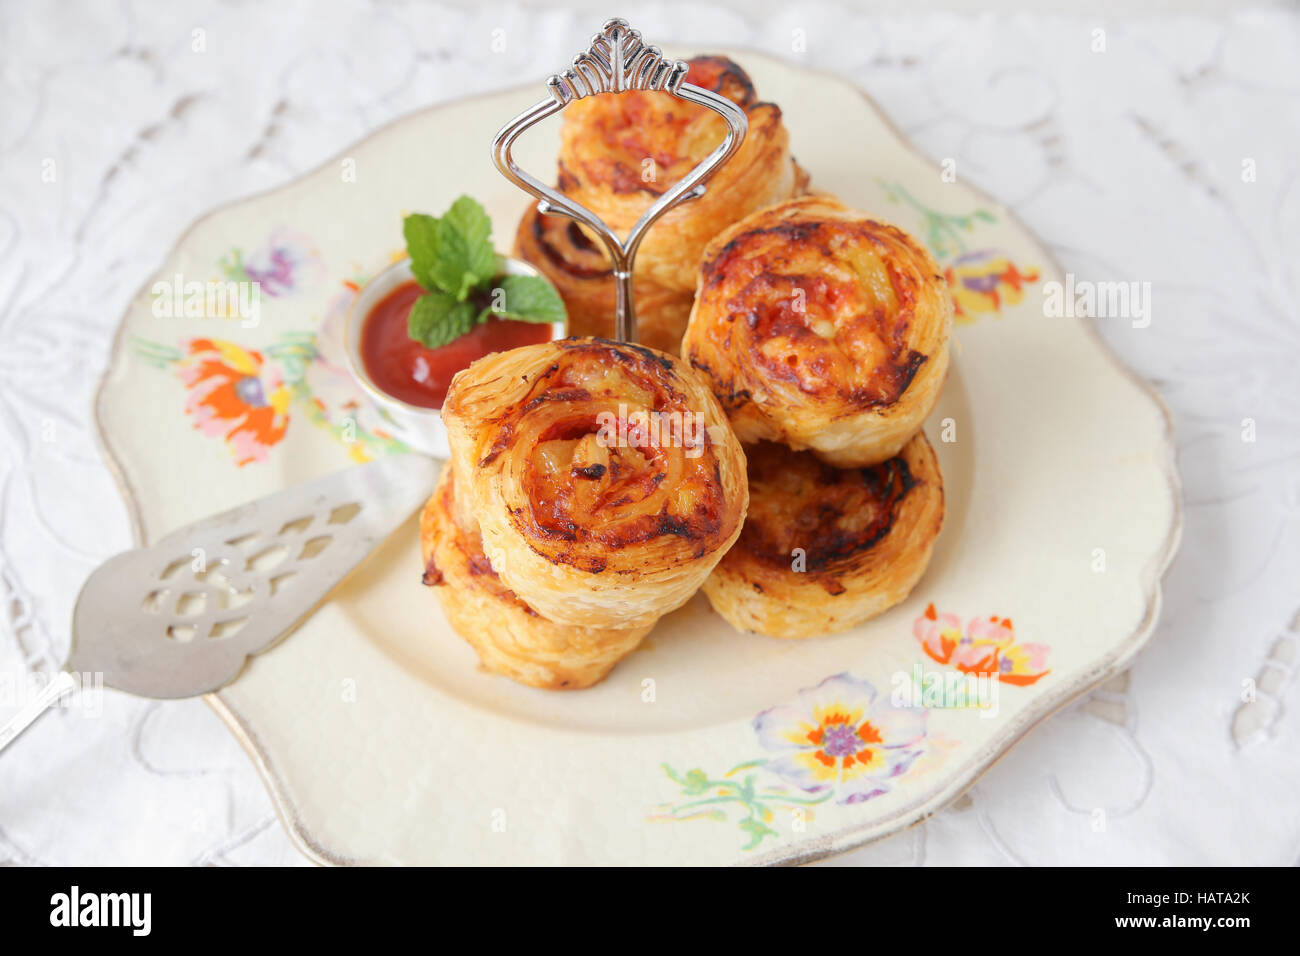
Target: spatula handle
{"points": [[50, 695]]}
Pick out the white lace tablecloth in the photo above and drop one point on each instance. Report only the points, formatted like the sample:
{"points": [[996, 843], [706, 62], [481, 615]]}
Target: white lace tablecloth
{"points": [[1170, 156]]}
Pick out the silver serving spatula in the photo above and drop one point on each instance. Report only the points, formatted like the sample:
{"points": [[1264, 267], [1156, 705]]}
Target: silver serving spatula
{"points": [[180, 617]]}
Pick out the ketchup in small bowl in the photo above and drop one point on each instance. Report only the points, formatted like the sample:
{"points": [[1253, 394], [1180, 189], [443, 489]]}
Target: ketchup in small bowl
{"points": [[407, 380], [417, 374]]}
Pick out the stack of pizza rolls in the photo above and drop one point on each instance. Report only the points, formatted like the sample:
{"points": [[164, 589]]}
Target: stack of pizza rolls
{"points": [[824, 334], [509, 636], [619, 153], [592, 488]]}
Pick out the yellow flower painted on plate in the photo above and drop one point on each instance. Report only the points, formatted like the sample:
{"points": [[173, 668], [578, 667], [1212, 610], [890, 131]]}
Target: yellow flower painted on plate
{"points": [[840, 736], [985, 282]]}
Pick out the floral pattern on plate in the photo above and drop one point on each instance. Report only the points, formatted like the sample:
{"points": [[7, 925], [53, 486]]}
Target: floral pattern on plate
{"points": [[987, 645], [282, 264], [246, 396], [840, 740], [982, 281]]}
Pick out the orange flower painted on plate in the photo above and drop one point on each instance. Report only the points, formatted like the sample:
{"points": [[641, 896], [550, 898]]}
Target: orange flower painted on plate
{"points": [[987, 645], [234, 394], [984, 282]]}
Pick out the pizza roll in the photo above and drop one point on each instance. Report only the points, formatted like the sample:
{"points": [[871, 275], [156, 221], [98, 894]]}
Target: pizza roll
{"points": [[604, 478], [580, 271], [823, 329], [621, 152], [510, 637], [824, 549]]}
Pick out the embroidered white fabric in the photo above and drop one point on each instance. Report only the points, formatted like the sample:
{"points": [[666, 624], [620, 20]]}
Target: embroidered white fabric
{"points": [[1172, 157]]}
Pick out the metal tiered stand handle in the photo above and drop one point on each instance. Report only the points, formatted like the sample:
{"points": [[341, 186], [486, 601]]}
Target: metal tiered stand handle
{"points": [[618, 61]]}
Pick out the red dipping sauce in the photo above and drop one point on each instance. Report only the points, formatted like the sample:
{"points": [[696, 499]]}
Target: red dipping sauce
{"points": [[418, 375]]}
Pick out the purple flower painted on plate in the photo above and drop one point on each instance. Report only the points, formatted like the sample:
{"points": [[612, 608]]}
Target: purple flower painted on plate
{"points": [[840, 736], [280, 266]]}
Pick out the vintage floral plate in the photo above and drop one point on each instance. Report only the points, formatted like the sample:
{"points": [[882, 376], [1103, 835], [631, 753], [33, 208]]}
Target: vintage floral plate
{"points": [[380, 739]]}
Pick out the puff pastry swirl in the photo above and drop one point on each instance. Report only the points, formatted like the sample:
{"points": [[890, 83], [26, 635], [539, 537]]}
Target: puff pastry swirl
{"points": [[619, 153], [580, 271], [824, 549], [823, 329], [510, 637], [604, 478]]}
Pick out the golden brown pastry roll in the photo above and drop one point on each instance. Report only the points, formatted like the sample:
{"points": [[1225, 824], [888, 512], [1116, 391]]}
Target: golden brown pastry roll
{"points": [[582, 274], [822, 329], [510, 637], [619, 153], [823, 548], [604, 478]]}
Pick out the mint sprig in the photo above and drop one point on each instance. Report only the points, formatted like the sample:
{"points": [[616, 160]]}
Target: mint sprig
{"points": [[453, 259], [526, 298]]}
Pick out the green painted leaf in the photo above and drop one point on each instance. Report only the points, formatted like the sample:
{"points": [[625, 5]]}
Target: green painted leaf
{"points": [[757, 832], [695, 782]]}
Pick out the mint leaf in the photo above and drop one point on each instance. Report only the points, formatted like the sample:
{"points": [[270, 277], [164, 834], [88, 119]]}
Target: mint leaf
{"points": [[526, 298], [471, 221], [437, 318], [453, 260], [450, 270], [453, 254], [421, 234]]}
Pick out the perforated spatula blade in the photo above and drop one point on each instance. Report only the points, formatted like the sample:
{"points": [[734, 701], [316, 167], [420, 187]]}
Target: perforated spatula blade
{"points": [[180, 617]]}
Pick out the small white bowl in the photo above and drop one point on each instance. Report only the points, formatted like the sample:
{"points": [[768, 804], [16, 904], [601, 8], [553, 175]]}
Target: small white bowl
{"points": [[420, 428]]}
